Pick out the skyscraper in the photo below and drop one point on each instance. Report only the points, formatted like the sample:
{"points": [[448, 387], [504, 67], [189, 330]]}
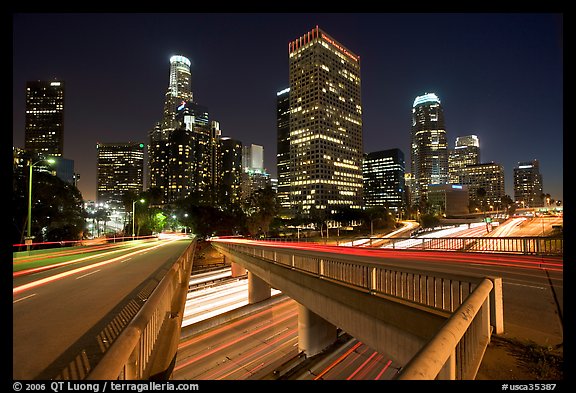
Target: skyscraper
{"points": [[254, 175], [466, 152], [383, 173], [179, 89], [326, 148], [183, 145], [231, 177], [283, 148], [429, 146], [44, 128], [120, 169], [488, 176], [528, 184]]}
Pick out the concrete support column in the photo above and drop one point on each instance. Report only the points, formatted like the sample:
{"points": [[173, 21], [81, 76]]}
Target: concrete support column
{"points": [[314, 332], [237, 270], [258, 289]]}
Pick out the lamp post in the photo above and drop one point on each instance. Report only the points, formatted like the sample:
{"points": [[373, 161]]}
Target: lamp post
{"points": [[134, 215], [28, 239]]}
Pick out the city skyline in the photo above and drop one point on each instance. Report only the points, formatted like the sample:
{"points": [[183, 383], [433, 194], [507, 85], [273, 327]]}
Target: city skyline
{"points": [[499, 76]]}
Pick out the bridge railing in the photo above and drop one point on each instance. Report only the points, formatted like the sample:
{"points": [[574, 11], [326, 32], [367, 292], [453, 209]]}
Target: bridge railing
{"points": [[514, 245], [147, 347], [456, 351], [453, 293]]}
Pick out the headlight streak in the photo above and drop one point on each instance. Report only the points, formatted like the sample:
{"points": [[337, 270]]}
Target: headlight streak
{"points": [[59, 276]]}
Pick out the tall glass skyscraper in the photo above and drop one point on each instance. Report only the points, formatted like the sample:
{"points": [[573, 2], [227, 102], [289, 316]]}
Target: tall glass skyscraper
{"points": [[184, 146], [44, 128], [466, 152], [429, 146], [326, 148], [283, 148], [179, 88]]}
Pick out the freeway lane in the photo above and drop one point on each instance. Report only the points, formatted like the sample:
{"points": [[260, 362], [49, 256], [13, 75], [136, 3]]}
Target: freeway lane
{"points": [[247, 348], [59, 314]]}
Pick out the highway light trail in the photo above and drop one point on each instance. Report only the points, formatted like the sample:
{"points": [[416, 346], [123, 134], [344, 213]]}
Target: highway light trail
{"points": [[68, 273], [249, 339], [387, 255]]}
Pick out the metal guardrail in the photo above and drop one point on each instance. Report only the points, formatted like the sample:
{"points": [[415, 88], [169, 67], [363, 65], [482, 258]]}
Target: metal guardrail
{"points": [[458, 358], [146, 348], [513, 245]]}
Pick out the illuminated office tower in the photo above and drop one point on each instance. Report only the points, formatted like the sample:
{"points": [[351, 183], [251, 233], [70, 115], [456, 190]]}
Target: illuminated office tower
{"points": [[253, 158], [384, 173], [44, 120], [183, 145], [326, 148], [231, 172], [120, 168], [283, 149], [254, 175], [490, 177], [179, 89], [466, 152], [528, 184], [429, 147]]}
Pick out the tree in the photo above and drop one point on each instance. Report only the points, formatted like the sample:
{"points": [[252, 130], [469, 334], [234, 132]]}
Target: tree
{"points": [[57, 209], [376, 213], [261, 209]]}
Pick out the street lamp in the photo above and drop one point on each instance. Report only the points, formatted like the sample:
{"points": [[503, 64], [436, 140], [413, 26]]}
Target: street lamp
{"points": [[28, 239], [134, 215]]}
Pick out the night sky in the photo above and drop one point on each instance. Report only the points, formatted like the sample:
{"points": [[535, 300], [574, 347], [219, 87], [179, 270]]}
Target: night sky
{"points": [[499, 76]]}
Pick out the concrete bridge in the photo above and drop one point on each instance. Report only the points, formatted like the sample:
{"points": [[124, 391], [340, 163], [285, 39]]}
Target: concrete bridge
{"points": [[437, 325]]}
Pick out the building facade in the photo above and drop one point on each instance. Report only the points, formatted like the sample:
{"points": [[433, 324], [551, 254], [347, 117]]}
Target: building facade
{"points": [[283, 149], [44, 119], [466, 152], [326, 149], [528, 187], [383, 173], [488, 176], [254, 175], [452, 200], [120, 169], [231, 156], [429, 146]]}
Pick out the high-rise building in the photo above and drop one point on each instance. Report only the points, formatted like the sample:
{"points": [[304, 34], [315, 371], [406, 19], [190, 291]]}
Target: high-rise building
{"points": [[490, 177], [231, 172], [183, 146], [120, 169], [283, 149], [179, 89], [254, 175], [466, 152], [326, 149], [383, 173], [429, 146], [528, 184], [44, 127], [253, 158]]}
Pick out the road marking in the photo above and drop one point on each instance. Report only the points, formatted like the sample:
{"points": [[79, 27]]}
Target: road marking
{"points": [[23, 298], [127, 259], [88, 274], [524, 285]]}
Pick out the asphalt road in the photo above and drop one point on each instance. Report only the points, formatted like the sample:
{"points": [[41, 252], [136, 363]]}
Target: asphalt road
{"points": [[58, 315], [250, 347]]}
